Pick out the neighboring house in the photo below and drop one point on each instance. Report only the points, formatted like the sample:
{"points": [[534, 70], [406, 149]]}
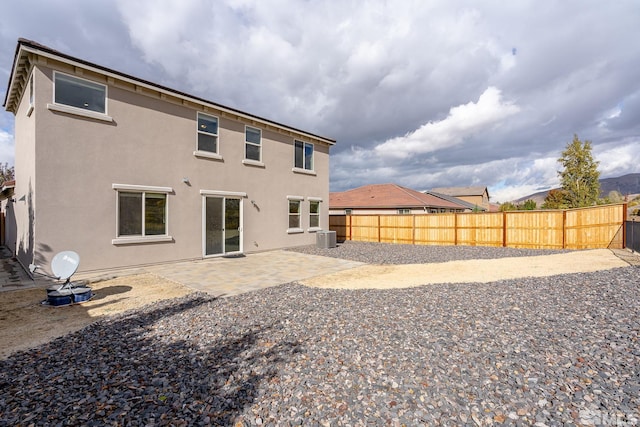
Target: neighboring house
{"points": [[7, 216], [470, 207], [477, 196], [127, 172], [388, 199]]}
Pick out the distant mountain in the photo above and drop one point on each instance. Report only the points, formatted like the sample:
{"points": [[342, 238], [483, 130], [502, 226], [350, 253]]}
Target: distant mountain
{"points": [[625, 185]]}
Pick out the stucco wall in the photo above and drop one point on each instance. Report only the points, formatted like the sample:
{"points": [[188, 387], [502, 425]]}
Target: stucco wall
{"points": [[22, 242], [151, 142]]}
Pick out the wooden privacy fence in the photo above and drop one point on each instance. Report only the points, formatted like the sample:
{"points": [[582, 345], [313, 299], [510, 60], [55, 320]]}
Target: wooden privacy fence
{"points": [[585, 228]]}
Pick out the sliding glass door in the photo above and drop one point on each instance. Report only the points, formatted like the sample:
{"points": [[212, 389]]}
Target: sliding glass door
{"points": [[222, 225]]}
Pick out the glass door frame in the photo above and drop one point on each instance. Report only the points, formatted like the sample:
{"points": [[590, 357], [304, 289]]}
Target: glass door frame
{"points": [[224, 195]]}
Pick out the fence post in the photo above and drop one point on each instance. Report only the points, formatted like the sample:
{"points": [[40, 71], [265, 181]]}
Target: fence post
{"points": [[504, 229], [455, 229], [624, 226], [379, 229]]}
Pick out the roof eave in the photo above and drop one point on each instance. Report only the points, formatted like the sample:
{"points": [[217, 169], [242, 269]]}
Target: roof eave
{"points": [[28, 46], [14, 94]]}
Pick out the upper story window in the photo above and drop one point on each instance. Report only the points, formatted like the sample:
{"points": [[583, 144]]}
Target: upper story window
{"points": [[207, 133], [79, 93], [252, 145], [303, 155]]}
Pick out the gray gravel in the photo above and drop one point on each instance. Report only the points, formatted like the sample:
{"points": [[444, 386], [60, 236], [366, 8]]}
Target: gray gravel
{"points": [[386, 253], [560, 350]]}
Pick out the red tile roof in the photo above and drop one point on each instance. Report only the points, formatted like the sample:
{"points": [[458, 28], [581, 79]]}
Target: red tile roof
{"points": [[386, 196]]}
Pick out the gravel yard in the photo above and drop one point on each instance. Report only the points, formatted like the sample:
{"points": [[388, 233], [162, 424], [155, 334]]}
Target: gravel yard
{"points": [[386, 253], [558, 350]]}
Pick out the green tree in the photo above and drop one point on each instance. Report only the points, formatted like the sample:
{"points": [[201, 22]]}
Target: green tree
{"points": [[614, 197], [528, 205], [507, 206], [7, 173], [556, 199], [580, 178]]}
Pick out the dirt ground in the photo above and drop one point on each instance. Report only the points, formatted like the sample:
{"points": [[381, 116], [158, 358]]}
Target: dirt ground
{"points": [[25, 323], [479, 270]]}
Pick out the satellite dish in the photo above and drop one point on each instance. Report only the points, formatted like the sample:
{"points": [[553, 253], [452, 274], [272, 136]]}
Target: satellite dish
{"points": [[64, 264]]}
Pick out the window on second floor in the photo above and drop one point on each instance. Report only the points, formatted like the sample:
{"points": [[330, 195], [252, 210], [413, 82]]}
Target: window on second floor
{"points": [[31, 96], [303, 158], [79, 93], [252, 145], [207, 133]]}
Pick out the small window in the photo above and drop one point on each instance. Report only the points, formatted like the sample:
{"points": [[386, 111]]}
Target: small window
{"points": [[142, 213], [207, 133], [80, 93], [314, 214], [404, 211], [294, 214], [31, 95], [347, 211], [252, 144], [31, 90], [303, 155]]}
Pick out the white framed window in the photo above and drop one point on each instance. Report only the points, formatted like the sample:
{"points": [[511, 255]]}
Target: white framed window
{"points": [[80, 93], [82, 97], [252, 144], [295, 214], [314, 214], [404, 211], [141, 214], [207, 137], [348, 211], [303, 156]]}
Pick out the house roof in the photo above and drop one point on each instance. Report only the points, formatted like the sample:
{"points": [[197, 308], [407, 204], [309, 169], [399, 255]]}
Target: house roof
{"points": [[26, 55], [388, 196], [6, 190], [461, 191], [453, 199]]}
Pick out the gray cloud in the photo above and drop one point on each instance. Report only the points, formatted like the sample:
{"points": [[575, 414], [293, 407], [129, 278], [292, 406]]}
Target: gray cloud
{"points": [[383, 76]]}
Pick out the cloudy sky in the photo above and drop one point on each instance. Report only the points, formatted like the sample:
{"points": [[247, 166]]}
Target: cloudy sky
{"points": [[419, 93]]}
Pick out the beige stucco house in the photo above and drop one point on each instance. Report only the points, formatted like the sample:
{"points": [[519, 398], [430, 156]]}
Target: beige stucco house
{"points": [[391, 199], [478, 196], [128, 172]]}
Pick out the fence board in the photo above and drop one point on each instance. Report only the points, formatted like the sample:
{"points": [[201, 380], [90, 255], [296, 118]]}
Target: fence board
{"points": [[586, 228], [598, 227], [534, 230], [435, 229], [485, 229], [396, 229]]}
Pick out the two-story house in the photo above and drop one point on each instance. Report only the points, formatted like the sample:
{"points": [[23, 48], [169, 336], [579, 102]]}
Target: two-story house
{"points": [[128, 172], [477, 196]]}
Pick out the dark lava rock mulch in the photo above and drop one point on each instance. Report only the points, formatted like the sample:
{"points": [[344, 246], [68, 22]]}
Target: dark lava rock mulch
{"points": [[560, 350], [387, 253]]}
